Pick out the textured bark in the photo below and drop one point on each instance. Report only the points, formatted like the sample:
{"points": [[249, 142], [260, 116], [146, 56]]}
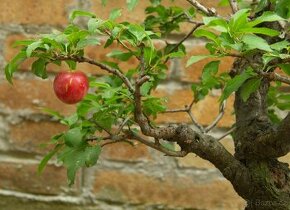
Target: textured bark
{"points": [[258, 144]]}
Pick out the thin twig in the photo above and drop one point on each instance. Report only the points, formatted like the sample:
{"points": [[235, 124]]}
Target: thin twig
{"points": [[194, 121], [174, 110], [187, 110], [202, 8], [107, 68], [186, 37], [117, 141], [234, 5], [218, 118], [226, 133], [122, 126]]}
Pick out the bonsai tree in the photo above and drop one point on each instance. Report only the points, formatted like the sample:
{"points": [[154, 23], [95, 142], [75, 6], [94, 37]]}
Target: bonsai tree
{"points": [[121, 104]]}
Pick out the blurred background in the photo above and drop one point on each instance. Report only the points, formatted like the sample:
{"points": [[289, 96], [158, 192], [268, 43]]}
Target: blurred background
{"points": [[131, 178]]}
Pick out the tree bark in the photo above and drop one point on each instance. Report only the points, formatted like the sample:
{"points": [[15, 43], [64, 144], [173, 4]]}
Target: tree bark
{"points": [[258, 144]]}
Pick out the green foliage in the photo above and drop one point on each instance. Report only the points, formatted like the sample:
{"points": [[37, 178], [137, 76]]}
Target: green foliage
{"points": [[235, 83], [77, 157], [109, 101]]}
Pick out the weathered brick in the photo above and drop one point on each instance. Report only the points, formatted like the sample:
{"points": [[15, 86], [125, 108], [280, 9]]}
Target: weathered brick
{"points": [[204, 111], [35, 12], [126, 152], [194, 71], [193, 161], [171, 191], [28, 135], [24, 178], [16, 203], [31, 95]]}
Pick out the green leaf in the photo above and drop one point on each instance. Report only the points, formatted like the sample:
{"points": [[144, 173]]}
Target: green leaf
{"points": [[115, 13], [109, 42], [53, 113], [71, 64], [131, 4], [235, 83], [283, 8], [209, 70], [70, 120], [265, 31], [88, 42], [22, 43], [75, 158], [123, 56], [218, 24], [145, 88], [196, 58], [261, 5], [80, 13], [38, 68], [152, 106], [205, 33], [73, 137], [249, 87], [168, 145], [239, 19], [280, 45], [265, 17], [47, 157], [285, 68], [92, 155], [104, 118], [33, 47], [138, 31], [254, 42], [11, 67], [178, 54]]}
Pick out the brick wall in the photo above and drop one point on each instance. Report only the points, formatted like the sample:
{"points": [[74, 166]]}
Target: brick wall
{"points": [[125, 177]]}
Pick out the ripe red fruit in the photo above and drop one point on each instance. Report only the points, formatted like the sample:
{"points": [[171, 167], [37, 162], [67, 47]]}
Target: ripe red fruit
{"points": [[71, 87]]}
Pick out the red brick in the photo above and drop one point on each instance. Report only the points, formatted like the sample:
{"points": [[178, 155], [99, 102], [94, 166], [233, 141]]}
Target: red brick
{"points": [[204, 111], [32, 95], [24, 178], [126, 152], [35, 12], [28, 135], [169, 191], [193, 72]]}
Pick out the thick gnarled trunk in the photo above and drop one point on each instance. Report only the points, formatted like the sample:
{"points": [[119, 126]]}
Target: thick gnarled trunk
{"points": [[257, 146]]}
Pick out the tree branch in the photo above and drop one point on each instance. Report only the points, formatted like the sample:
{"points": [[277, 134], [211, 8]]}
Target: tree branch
{"points": [[109, 69], [187, 110], [234, 5], [275, 143], [197, 25], [208, 148], [155, 146], [227, 133], [218, 118], [202, 8]]}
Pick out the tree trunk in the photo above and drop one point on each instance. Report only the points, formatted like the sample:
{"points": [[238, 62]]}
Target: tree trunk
{"points": [[269, 179]]}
